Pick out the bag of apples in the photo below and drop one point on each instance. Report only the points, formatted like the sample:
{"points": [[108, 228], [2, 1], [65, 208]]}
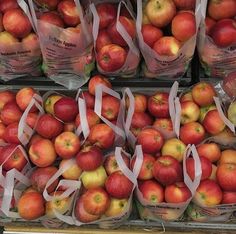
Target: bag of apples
{"points": [[20, 53], [114, 35], [65, 39], [167, 33], [215, 197], [165, 189], [217, 52]]}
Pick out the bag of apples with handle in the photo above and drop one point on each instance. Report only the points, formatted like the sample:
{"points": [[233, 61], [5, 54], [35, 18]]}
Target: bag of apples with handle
{"points": [[20, 52], [167, 33], [217, 37], [65, 39], [114, 35], [215, 197]]}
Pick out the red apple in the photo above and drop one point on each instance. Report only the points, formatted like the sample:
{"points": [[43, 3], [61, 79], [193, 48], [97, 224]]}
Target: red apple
{"points": [[69, 127], [96, 201], [7, 40], [111, 57], [49, 103], [146, 168], [32, 119], [151, 34], [53, 18], [51, 5], [190, 112], [192, 133], [11, 134], [102, 136], [185, 4], [92, 118], [107, 14], [163, 123], [152, 191], [167, 46], [160, 12], [183, 26], [66, 109], [89, 98], [6, 5], [206, 166], [10, 113], [228, 156], [221, 9], [118, 185], [89, 158], [140, 102], [48, 127], [208, 193], [229, 198], [103, 39], [69, 12], [223, 33], [226, 176], [177, 193], [213, 122], [34, 139], [211, 151], [2, 130], [186, 97], [67, 145], [110, 107], [40, 177], [209, 24], [31, 42], [42, 153], [97, 80], [167, 170], [151, 140], [5, 97], [204, 110]]}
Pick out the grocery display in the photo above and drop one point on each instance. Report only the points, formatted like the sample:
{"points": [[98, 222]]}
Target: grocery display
{"points": [[117, 115]]}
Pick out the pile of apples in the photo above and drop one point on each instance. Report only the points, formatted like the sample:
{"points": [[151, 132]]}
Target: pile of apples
{"points": [[111, 48], [15, 26], [167, 24], [220, 22]]}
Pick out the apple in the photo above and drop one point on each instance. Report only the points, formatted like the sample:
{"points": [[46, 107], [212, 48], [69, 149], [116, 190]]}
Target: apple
{"points": [[177, 193], [107, 14], [69, 12], [110, 107], [203, 93], [19, 28], [31, 206], [23, 98], [185, 4], [32, 119], [89, 158], [97, 80], [183, 26], [16, 158], [42, 153], [151, 34], [211, 151], [145, 19], [67, 145], [111, 57], [5, 97], [103, 39], [221, 9], [102, 136], [226, 176], [163, 123], [66, 109], [213, 122], [223, 33], [190, 112], [49, 103], [209, 22], [229, 85], [118, 185], [117, 207], [34, 139], [229, 198], [11, 134], [73, 173], [92, 118], [96, 201], [115, 36], [140, 102], [48, 127], [111, 165], [89, 98], [192, 133], [228, 156], [10, 113], [69, 127], [151, 140], [175, 148], [7, 40], [94, 179], [6, 5], [206, 167], [152, 191], [158, 105], [31, 42], [167, 170], [231, 112], [204, 110], [160, 12], [146, 171], [40, 177], [208, 193], [59, 205], [167, 46], [186, 97], [50, 5], [2, 130], [81, 214]]}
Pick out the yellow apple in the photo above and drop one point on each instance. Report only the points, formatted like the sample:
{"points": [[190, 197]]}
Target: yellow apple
{"points": [[74, 172], [117, 206]]}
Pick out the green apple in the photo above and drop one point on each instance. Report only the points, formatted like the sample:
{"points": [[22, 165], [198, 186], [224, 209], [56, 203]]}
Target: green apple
{"points": [[117, 206]]}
